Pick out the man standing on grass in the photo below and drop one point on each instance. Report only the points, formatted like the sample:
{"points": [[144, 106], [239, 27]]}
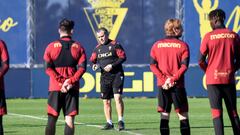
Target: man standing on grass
{"points": [[109, 55], [65, 64], [4, 68], [169, 62], [221, 48]]}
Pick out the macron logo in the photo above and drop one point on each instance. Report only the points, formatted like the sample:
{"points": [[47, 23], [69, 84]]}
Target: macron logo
{"points": [[222, 35], [169, 45]]}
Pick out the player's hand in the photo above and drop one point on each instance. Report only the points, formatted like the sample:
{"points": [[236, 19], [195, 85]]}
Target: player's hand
{"points": [[66, 86], [108, 68], [169, 83], [95, 67], [165, 86]]}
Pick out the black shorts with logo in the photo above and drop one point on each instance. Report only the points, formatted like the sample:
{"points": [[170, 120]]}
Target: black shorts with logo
{"points": [[68, 102], [111, 84], [174, 95]]}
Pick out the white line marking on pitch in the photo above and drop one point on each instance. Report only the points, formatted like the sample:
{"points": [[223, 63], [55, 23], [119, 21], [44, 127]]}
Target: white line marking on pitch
{"points": [[79, 123]]}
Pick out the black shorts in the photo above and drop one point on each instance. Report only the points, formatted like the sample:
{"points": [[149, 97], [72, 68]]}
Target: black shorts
{"points": [[222, 91], [3, 106], [68, 102], [111, 84], [174, 95]]}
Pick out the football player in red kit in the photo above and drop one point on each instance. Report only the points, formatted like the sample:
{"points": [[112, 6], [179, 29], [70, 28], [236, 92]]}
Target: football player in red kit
{"points": [[169, 62], [110, 55], [221, 48], [65, 64], [4, 68]]}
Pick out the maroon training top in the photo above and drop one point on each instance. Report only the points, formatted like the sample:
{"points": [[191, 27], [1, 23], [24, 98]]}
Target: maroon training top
{"points": [[221, 47], [4, 62], [65, 59], [170, 58]]}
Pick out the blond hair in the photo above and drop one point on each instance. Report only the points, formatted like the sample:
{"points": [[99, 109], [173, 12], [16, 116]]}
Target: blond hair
{"points": [[173, 27]]}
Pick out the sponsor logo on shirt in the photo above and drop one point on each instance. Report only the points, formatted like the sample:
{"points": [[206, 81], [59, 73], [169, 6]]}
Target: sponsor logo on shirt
{"points": [[56, 45], [222, 35], [75, 45], [104, 55], [169, 45], [223, 74]]}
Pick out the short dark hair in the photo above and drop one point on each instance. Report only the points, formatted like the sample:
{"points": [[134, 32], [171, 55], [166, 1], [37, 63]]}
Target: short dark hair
{"points": [[217, 14], [104, 30], [66, 25]]}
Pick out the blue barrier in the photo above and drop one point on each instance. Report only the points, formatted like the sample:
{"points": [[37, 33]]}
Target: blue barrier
{"points": [[139, 82]]}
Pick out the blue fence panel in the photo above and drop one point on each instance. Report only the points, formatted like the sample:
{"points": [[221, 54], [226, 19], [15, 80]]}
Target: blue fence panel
{"points": [[13, 29], [137, 24], [18, 83]]}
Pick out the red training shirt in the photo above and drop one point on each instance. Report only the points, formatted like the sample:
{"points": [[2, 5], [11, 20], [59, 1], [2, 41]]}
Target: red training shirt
{"points": [[58, 74], [170, 58], [221, 47], [4, 62]]}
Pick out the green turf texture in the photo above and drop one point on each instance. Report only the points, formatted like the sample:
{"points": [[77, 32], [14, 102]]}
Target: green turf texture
{"points": [[28, 117]]}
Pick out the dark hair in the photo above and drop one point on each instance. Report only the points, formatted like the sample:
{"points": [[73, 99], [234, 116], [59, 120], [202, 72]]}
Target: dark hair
{"points": [[66, 25], [104, 30], [217, 14]]}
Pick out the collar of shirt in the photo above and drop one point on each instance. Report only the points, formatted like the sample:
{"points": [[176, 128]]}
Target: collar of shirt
{"points": [[66, 38], [171, 37]]}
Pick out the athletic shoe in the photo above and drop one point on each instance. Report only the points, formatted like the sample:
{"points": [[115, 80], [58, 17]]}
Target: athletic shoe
{"points": [[108, 126], [121, 125]]}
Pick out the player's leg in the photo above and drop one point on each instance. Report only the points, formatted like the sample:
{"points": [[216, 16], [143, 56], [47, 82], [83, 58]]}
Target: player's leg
{"points": [[120, 111], [3, 107], [164, 107], [51, 125], [1, 126], [215, 99], [70, 110], [180, 102], [164, 123], [231, 105], [106, 95], [54, 107], [69, 126], [184, 123], [108, 113], [117, 90]]}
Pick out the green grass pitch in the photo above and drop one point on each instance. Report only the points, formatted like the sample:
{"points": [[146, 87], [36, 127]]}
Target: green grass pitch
{"points": [[28, 117]]}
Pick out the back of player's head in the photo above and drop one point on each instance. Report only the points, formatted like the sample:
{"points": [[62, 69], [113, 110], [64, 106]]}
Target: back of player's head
{"points": [[173, 27], [66, 25], [105, 31], [217, 14]]}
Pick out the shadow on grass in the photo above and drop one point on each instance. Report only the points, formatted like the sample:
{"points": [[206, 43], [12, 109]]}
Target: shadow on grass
{"points": [[25, 125], [207, 127], [10, 132], [194, 127], [128, 123]]}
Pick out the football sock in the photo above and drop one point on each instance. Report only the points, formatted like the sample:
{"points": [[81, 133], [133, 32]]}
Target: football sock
{"points": [[164, 127], [120, 118], [184, 127], [68, 130], [1, 126], [110, 122], [218, 125], [51, 125], [236, 125]]}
